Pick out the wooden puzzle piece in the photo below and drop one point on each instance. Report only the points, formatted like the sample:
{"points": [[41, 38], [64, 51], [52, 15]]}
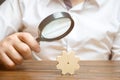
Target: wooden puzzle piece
{"points": [[68, 63]]}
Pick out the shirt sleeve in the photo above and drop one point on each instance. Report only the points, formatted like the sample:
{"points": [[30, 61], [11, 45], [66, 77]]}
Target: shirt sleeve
{"points": [[116, 42], [116, 47], [10, 18]]}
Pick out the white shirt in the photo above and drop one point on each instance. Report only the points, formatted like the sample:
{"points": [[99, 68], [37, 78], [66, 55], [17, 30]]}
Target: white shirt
{"points": [[95, 36]]}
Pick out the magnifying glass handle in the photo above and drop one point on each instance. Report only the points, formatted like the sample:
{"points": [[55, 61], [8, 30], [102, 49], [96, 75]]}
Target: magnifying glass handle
{"points": [[35, 57], [34, 53]]}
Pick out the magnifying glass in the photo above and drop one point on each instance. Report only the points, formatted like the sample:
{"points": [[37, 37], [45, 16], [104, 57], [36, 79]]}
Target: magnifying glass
{"points": [[55, 27]]}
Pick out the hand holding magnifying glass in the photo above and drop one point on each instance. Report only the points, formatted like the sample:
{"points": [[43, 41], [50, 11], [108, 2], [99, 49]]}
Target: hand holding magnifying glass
{"points": [[55, 27]]}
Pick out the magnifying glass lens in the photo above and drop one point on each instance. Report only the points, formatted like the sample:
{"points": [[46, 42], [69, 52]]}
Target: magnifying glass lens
{"points": [[56, 28]]}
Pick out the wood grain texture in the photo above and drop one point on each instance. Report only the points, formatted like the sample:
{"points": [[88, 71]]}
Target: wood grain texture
{"points": [[46, 70]]}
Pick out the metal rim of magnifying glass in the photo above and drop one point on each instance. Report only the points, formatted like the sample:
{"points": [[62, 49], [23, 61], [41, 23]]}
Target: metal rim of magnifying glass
{"points": [[50, 18]]}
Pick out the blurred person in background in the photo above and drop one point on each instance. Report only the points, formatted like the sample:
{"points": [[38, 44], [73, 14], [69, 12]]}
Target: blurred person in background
{"points": [[95, 36]]}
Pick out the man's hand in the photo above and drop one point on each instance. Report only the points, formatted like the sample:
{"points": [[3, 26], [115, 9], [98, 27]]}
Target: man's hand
{"points": [[17, 47]]}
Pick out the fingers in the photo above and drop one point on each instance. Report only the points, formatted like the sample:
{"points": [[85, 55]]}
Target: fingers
{"points": [[16, 47], [30, 41], [6, 60], [14, 55], [23, 49]]}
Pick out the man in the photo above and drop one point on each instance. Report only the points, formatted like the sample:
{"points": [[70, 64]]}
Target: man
{"points": [[95, 36]]}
